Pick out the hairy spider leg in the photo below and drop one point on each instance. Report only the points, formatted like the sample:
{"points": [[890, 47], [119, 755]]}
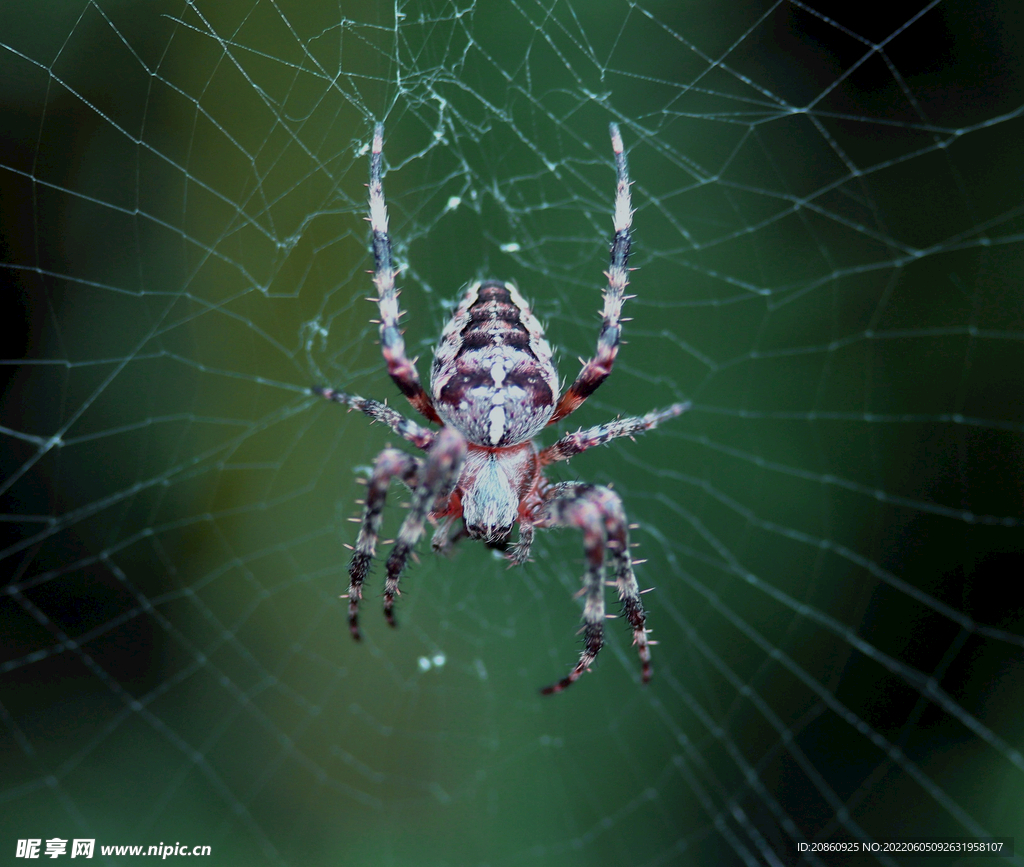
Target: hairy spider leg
{"points": [[520, 551], [598, 512], [572, 444], [444, 539], [597, 369], [400, 368], [437, 477], [390, 463], [569, 507], [610, 505], [407, 429]]}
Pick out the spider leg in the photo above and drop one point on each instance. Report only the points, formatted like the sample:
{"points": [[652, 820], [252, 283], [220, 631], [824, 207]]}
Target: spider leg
{"points": [[625, 581], [444, 539], [598, 512], [419, 436], [597, 369], [390, 463], [520, 551], [400, 368], [437, 476], [572, 444], [581, 512]]}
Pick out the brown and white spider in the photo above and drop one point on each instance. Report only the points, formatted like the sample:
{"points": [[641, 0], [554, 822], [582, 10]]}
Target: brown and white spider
{"points": [[493, 387]]}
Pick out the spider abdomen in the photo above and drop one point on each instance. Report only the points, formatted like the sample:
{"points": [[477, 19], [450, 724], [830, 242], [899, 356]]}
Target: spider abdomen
{"points": [[493, 378]]}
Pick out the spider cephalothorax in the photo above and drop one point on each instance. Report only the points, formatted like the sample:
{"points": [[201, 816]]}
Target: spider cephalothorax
{"points": [[493, 388]]}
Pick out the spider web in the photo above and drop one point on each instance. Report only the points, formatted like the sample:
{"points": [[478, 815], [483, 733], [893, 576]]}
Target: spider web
{"points": [[829, 241]]}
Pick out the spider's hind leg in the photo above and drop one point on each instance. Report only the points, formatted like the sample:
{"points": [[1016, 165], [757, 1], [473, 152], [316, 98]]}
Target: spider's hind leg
{"points": [[401, 369], [598, 368]]}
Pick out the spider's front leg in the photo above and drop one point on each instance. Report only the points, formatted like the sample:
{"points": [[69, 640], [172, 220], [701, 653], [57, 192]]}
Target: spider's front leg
{"points": [[445, 538], [598, 512], [390, 463], [438, 474], [520, 551]]}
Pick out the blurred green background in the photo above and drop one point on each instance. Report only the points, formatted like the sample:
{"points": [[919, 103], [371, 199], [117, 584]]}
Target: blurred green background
{"points": [[828, 236]]}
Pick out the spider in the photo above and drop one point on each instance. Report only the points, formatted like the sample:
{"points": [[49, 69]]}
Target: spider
{"points": [[493, 388]]}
